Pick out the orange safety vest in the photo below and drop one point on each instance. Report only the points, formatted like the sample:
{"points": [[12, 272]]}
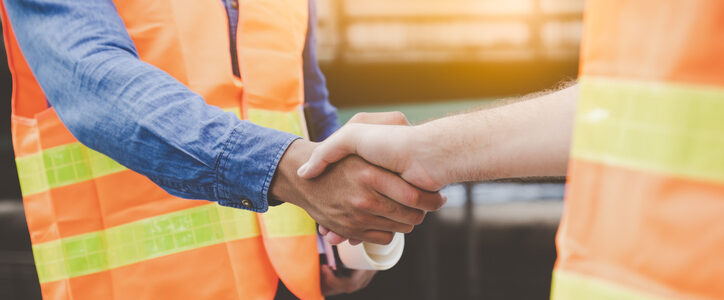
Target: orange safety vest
{"points": [[101, 231], [644, 213]]}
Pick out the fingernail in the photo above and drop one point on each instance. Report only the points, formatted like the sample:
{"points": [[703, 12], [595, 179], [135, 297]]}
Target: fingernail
{"points": [[303, 169]]}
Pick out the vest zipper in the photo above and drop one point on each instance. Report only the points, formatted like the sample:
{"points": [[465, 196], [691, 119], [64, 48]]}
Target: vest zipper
{"points": [[232, 14]]}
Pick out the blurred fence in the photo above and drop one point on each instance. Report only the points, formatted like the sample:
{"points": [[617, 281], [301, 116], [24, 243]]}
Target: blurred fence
{"points": [[377, 52], [451, 30]]}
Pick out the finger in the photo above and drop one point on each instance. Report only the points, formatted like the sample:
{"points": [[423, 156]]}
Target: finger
{"points": [[385, 224], [402, 192], [354, 242], [333, 238], [377, 237], [393, 212], [330, 151], [387, 118], [323, 230]]}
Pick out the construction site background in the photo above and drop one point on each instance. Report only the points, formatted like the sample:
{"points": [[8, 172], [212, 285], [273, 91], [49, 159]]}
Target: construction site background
{"points": [[427, 58]]}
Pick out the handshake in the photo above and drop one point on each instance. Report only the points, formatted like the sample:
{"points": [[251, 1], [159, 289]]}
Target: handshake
{"points": [[370, 179], [378, 175]]}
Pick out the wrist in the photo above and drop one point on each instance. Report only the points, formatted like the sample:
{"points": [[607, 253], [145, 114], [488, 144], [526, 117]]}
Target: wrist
{"points": [[285, 180], [459, 154], [429, 147]]}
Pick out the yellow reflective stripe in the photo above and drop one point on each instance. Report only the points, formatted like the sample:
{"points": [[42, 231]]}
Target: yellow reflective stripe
{"points": [[100, 164], [285, 219], [30, 171], [568, 285], [142, 240], [288, 121], [291, 122], [662, 127], [62, 165], [288, 220], [234, 110]]}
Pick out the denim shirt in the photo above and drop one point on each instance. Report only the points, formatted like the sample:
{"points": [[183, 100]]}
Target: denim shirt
{"points": [[111, 101]]}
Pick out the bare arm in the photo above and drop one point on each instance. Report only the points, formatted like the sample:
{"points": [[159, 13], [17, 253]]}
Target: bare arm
{"points": [[528, 138]]}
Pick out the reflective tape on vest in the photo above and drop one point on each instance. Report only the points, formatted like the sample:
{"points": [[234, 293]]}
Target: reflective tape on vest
{"points": [[286, 219], [288, 121], [152, 237], [282, 220], [61, 166], [291, 122], [676, 129], [73, 163], [567, 285], [141, 240]]}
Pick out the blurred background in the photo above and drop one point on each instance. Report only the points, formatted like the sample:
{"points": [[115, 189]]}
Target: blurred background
{"points": [[426, 58]]}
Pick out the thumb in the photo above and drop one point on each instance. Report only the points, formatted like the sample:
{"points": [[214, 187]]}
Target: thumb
{"points": [[313, 167], [330, 151]]}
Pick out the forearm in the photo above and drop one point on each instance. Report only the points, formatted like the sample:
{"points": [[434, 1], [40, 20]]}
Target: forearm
{"points": [[528, 138], [137, 114]]}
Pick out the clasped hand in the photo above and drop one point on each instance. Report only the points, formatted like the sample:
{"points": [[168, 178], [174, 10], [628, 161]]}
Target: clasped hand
{"points": [[353, 197], [385, 140]]}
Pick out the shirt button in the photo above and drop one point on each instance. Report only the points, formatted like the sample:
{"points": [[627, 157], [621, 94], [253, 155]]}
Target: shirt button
{"points": [[246, 203]]}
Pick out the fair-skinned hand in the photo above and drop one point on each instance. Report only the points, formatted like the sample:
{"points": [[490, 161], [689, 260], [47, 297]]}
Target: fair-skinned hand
{"points": [[399, 148], [353, 198], [333, 284], [329, 152], [522, 139], [503, 142]]}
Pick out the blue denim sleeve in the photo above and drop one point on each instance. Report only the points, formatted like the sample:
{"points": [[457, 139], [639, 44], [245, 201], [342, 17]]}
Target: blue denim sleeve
{"points": [[321, 114], [88, 68]]}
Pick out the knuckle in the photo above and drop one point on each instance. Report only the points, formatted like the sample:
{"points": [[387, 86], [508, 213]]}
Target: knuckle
{"points": [[394, 210], [360, 223], [413, 198], [418, 218], [387, 239], [398, 116], [348, 232], [347, 218], [368, 175], [365, 204], [439, 201], [359, 116], [353, 233]]}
